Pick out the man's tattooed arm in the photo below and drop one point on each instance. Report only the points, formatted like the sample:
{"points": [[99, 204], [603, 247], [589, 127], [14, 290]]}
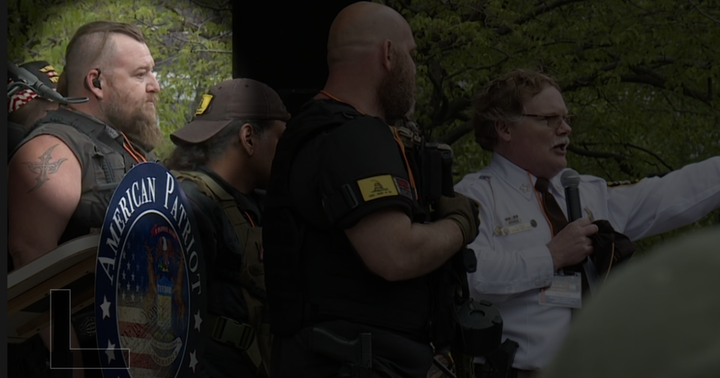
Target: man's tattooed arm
{"points": [[43, 167]]}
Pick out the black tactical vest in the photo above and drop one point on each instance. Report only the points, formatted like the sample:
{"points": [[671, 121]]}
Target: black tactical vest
{"points": [[104, 162], [300, 256]]}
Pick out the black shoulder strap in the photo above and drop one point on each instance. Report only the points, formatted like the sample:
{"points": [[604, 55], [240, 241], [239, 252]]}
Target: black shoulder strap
{"points": [[103, 141], [316, 116]]}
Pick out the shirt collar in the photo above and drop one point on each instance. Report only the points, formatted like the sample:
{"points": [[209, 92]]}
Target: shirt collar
{"points": [[518, 178], [245, 202]]}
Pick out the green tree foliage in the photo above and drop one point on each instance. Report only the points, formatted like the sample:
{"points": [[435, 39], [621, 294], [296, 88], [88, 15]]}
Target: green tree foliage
{"points": [[191, 43], [641, 75]]}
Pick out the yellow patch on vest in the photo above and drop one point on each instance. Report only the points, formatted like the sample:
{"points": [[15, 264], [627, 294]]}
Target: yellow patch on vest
{"points": [[204, 103], [377, 187], [47, 69]]}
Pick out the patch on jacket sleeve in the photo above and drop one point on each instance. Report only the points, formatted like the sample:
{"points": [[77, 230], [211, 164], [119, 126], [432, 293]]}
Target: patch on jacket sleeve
{"points": [[376, 187]]}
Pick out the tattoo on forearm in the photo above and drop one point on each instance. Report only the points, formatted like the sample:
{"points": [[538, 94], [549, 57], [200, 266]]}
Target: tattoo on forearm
{"points": [[44, 167]]}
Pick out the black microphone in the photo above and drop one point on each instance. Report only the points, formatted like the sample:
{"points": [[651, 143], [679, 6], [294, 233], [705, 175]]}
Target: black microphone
{"points": [[570, 180], [36, 84]]}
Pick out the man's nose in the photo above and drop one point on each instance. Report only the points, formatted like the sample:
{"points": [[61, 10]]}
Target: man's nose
{"points": [[564, 129], [153, 85]]}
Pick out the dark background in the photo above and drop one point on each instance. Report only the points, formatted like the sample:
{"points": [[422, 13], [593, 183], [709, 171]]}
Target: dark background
{"points": [[284, 45]]}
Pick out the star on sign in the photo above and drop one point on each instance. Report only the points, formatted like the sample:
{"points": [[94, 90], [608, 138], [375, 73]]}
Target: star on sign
{"points": [[110, 351], [193, 361], [198, 320], [132, 276], [105, 306]]}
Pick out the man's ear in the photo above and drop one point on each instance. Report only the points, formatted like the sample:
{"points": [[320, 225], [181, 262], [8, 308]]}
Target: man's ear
{"points": [[93, 84], [387, 55], [503, 131], [246, 141]]}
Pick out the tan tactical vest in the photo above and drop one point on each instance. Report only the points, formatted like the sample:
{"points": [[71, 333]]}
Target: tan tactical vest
{"points": [[254, 339]]}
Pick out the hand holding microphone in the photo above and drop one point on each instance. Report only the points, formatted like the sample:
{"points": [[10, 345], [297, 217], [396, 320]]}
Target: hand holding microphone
{"points": [[570, 180], [572, 245]]}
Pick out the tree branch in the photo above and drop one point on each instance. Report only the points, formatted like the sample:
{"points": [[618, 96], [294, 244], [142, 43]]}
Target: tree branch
{"points": [[438, 98], [595, 154], [225, 6], [214, 51], [454, 110], [649, 153], [503, 30], [642, 75], [455, 134], [646, 76], [703, 12]]}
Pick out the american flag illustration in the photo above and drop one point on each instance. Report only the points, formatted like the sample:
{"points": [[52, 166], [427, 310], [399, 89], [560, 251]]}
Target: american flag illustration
{"points": [[152, 304]]}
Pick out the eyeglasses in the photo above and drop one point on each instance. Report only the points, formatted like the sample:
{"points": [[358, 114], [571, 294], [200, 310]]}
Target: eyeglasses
{"points": [[554, 120]]}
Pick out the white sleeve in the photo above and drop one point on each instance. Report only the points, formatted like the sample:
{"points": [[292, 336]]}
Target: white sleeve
{"points": [[660, 204]]}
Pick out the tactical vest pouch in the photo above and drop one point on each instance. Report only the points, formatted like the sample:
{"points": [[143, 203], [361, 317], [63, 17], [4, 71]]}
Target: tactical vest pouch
{"points": [[254, 339], [438, 159], [432, 160]]}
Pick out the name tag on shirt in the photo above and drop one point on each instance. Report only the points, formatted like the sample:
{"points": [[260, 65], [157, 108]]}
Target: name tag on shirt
{"points": [[509, 230], [565, 291]]}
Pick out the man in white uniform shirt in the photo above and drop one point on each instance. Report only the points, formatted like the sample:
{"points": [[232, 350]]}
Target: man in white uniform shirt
{"points": [[523, 119]]}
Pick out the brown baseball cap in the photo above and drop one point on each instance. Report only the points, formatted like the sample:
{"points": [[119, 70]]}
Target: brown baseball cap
{"points": [[245, 99]]}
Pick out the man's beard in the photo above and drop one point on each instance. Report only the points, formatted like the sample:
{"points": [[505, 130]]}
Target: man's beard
{"points": [[397, 92], [138, 124]]}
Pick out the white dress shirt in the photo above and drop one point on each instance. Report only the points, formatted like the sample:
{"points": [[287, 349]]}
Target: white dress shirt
{"points": [[514, 263]]}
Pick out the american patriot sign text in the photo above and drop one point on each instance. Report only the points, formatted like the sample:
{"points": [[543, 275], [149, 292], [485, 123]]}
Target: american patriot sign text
{"points": [[148, 280]]}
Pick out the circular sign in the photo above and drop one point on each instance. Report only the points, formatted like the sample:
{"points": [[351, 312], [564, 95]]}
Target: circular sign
{"points": [[147, 279]]}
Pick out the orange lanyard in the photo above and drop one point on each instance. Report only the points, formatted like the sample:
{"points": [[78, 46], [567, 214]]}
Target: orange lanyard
{"points": [[249, 218], [129, 148], [126, 144], [396, 136], [339, 100]]}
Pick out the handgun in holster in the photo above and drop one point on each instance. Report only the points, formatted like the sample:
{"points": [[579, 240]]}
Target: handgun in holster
{"points": [[356, 354]]}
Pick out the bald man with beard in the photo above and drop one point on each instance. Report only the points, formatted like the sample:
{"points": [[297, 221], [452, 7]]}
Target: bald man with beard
{"points": [[348, 248], [54, 175]]}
